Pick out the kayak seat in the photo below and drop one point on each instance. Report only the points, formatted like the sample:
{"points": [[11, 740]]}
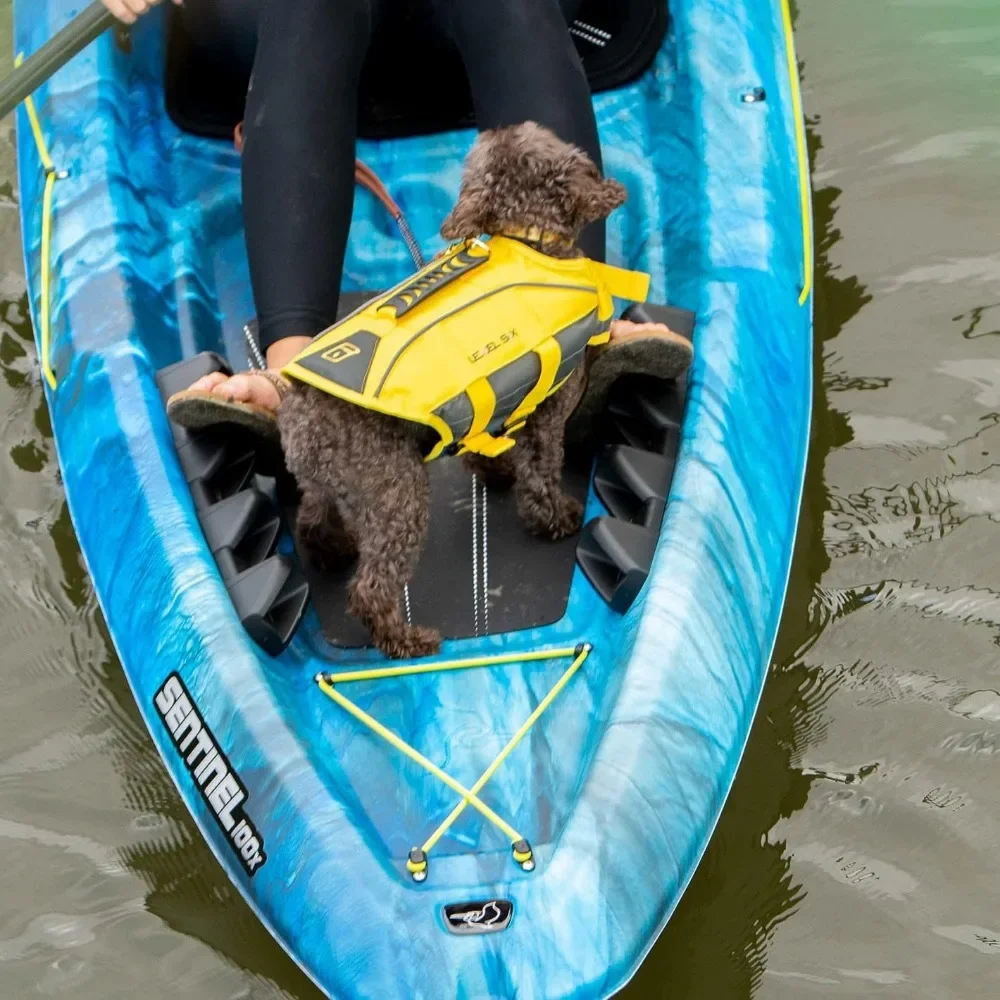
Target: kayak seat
{"points": [[236, 505], [617, 40], [633, 473]]}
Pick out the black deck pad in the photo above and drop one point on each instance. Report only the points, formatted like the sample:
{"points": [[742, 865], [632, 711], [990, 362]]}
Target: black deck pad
{"points": [[527, 578]]}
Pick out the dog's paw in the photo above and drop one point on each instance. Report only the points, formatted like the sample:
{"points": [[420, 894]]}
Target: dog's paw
{"points": [[410, 642], [553, 517]]}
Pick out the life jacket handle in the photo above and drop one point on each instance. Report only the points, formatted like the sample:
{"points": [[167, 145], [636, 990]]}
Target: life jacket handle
{"points": [[621, 283]]}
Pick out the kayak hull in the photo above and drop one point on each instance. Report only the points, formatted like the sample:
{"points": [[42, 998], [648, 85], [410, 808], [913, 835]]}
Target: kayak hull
{"points": [[620, 785]]}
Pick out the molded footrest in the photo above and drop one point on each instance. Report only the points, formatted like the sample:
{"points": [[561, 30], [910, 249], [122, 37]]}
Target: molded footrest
{"points": [[179, 376], [241, 523], [646, 412], [633, 484], [216, 464], [616, 557], [270, 599], [642, 429], [246, 524], [679, 320]]}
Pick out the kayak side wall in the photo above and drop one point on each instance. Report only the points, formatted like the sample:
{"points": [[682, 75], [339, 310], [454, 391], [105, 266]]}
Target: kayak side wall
{"points": [[729, 533], [130, 284]]}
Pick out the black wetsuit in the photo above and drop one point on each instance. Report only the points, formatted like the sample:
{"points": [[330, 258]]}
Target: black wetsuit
{"points": [[306, 58]]}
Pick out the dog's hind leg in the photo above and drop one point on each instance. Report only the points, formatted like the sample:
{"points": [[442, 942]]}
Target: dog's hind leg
{"points": [[538, 457], [320, 529], [391, 517], [366, 468]]}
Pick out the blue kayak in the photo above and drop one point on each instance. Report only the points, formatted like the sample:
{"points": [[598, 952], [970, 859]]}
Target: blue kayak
{"points": [[519, 815]]}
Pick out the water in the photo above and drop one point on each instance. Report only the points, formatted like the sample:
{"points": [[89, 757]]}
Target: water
{"points": [[857, 853]]}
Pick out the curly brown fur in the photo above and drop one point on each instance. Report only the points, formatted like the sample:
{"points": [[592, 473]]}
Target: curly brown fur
{"points": [[367, 469], [320, 529], [362, 476], [524, 176]]}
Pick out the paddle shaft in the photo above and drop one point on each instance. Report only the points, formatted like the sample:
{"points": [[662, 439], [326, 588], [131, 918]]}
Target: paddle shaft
{"points": [[55, 53]]}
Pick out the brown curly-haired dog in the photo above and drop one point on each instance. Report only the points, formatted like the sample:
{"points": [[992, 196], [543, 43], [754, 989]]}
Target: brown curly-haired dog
{"points": [[362, 475]]}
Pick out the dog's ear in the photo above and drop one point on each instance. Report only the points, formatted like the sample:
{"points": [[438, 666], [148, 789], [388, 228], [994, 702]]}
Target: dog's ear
{"points": [[468, 219], [600, 198]]}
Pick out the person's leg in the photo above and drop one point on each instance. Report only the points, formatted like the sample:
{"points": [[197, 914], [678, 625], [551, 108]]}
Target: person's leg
{"points": [[298, 174]]}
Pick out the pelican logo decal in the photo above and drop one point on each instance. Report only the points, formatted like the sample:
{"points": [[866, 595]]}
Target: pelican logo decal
{"points": [[341, 352], [481, 917]]}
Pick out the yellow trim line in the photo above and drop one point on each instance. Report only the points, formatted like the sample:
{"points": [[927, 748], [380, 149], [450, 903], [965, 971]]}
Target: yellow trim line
{"points": [[805, 193], [521, 849], [51, 176]]}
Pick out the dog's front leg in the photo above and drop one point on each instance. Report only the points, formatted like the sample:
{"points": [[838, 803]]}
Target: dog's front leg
{"points": [[538, 458]]}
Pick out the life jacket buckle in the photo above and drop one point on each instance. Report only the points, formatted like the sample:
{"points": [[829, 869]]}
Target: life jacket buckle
{"points": [[487, 445]]}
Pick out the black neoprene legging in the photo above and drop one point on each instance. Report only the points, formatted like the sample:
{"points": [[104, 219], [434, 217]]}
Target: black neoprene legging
{"points": [[301, 122]]}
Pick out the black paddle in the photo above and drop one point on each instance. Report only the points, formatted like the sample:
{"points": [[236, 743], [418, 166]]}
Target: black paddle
{"points": [[55, 53]]}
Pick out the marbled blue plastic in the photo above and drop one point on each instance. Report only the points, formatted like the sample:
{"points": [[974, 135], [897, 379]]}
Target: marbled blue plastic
{"points": [[621, 783]]}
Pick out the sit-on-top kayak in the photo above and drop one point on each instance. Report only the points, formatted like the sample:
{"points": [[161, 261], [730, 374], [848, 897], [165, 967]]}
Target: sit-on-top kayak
{"points": [[519, 815]]}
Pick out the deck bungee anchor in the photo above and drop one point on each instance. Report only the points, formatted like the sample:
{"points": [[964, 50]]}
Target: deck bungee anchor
{"points": [[417, 861]]}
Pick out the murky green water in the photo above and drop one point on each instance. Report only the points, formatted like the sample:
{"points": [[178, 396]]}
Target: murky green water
{"points": [[857, 855]]}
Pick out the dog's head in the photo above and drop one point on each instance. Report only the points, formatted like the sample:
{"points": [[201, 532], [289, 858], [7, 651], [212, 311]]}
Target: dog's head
{"points": [[524, 175]]}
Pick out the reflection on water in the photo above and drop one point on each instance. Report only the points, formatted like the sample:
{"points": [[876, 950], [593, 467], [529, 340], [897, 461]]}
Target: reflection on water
{"points": [[856, 854]]}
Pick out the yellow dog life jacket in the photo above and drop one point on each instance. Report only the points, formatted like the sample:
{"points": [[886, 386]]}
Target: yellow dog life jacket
{"points": [[471, 344]]}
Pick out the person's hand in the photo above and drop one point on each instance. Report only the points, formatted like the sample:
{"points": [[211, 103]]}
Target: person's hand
{"points": [[128, 10]]}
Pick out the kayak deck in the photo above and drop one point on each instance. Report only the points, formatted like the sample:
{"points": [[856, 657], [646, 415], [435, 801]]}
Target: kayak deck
{"points": [[619, 784]]}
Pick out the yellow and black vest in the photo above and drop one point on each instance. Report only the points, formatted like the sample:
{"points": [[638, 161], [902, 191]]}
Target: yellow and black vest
{"points": [[471, 344]]}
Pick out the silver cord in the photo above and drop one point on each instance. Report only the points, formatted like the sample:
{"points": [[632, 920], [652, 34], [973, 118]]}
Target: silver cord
{"points": [[475, 557], [600, 32], [486, 571], [587, 37], [411, 241], [256, 359]]}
